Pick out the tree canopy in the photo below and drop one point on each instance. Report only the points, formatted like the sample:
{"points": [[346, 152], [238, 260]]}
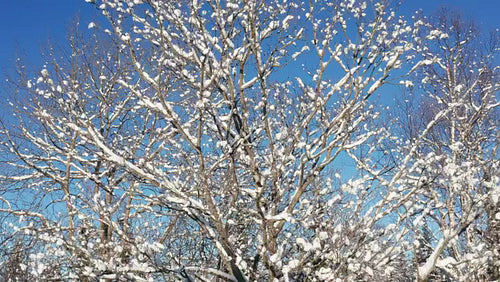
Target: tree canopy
{"points": [[256, 140]]}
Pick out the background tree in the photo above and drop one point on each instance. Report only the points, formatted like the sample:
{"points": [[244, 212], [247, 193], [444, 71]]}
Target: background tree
{"points": [[459, 153]]}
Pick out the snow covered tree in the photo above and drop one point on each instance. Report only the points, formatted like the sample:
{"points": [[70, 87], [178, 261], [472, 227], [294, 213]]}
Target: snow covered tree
{"points": [[244, 141], [453, 129]]}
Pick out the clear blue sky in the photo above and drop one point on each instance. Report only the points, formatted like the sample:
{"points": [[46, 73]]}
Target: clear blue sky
{"points": [[26, 24], [484, 12]]}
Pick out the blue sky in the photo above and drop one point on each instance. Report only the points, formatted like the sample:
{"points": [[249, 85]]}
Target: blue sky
{"points": [[27, 24]]}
